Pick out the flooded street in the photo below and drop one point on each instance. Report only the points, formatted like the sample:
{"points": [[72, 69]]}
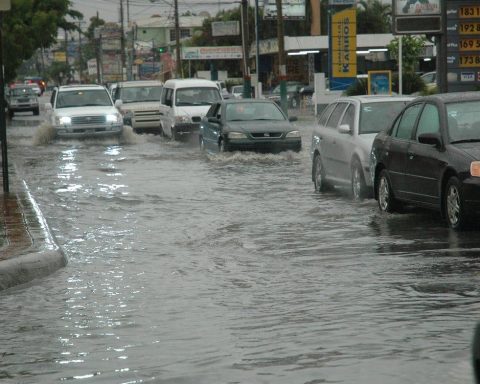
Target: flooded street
{"points": [[186, 267]]}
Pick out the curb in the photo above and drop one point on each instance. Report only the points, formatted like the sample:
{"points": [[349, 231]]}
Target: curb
{"points": [[31, 250]]}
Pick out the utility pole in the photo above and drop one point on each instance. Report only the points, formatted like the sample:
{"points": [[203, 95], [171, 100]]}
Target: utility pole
{"points": [[257, 51], [80, 58], [178, 70], [3, 123], [122, 40], [282, 68], [247, 85]]}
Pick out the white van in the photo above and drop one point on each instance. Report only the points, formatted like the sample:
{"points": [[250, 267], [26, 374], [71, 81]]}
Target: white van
{"points": [[183, 104]]}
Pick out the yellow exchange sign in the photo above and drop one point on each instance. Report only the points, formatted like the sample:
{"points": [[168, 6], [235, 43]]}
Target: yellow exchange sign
{"points": [[344, 43]]}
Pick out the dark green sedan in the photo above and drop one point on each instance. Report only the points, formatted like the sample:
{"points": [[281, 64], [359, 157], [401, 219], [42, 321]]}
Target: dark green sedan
{"points": [[248, 125]]}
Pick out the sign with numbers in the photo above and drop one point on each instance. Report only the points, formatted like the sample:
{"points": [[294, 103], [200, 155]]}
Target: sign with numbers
{"points": [[463, 45]]}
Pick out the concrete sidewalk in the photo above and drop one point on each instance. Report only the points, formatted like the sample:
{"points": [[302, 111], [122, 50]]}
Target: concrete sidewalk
{"points": [[28, 250]]}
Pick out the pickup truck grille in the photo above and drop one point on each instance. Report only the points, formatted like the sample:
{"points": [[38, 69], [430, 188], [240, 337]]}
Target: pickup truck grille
{"points": [[145, 116], [88, 120]]}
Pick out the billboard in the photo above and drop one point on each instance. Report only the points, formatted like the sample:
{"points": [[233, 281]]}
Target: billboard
{"points": [[225, 28], [379, 82], [417, 16], [417, 7], [212, 53], [344, 43], [291, 9]]}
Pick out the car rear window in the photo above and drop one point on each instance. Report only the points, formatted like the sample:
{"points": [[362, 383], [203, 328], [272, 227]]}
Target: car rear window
{"points": [[377, 117]]}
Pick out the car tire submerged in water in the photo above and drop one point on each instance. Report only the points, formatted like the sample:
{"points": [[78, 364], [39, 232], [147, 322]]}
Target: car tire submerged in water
{"points": [[358, 186], [455, 213], [318, 174], [386, 200], [222, 147]]}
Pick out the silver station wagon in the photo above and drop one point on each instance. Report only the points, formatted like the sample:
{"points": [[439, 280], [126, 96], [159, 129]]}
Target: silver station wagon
{"points": [[342, 140]]}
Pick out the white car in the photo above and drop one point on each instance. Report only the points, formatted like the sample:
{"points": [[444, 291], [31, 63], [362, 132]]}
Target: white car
{"points": [[138, 101], [342, 140], [77, 111]]}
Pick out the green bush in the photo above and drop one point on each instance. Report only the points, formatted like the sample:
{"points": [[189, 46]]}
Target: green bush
{"points": [[411, 83], [359, 87]]}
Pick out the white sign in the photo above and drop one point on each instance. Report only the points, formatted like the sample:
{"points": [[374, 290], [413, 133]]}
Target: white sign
{"points": [[291, 9], [5, 5], [92, 66], [225, 28], [417, 7], [211, 53]]}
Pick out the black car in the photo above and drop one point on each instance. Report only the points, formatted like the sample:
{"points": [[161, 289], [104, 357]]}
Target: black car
{"points": [[430, 157], [294, 94], [248, 124]]}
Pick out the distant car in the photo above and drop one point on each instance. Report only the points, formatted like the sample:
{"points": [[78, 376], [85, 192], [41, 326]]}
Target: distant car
{"points": [[293, 94], [21, 98], [430, 80], [77, 111], [250, 125], [237, 91], [342, 140], [138, 102], [36, 88], [430, 157], [36, 80]]}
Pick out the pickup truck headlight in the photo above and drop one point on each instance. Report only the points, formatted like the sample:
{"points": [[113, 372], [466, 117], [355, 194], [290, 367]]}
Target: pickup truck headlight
{"points": [[114, 118], [236, 135], [63, 120], [293, 134], [182, 119]]}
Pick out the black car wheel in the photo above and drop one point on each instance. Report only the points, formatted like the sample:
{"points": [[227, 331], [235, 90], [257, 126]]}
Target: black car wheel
{"points": [[386, 200], [318, 173], [358, 186], [10, 114], [222, 147], [453, 203]]}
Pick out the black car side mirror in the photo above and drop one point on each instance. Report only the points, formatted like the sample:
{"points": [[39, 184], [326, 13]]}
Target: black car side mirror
{"points": [[430, 139], [213, 120]]}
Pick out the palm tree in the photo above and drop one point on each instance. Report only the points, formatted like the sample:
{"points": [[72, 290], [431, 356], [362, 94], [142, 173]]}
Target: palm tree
{"points": [[373, 16]]}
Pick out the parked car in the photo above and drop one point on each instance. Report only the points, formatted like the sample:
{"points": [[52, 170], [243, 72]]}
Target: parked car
{"points": [[76, 111], [430, 80], [183, 104], [342, 140], [237, 91], [21, 98], [138, 102], [430, 157], [251, 125], [293, 94]]}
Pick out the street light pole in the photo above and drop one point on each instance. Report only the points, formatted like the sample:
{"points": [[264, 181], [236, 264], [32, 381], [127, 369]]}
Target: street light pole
{"points": [[282, 68], [3, 123], [247, 85]]}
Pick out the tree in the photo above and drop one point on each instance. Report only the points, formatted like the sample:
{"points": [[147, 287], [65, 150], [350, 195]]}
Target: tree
{"points": [[33, 24], [412, 47], [373, 16]]}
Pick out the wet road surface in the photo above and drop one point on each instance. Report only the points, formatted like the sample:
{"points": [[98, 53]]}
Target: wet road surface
{"points": [[186, 267]]}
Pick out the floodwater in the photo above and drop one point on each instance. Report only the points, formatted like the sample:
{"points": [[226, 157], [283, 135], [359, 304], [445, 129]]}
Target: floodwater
{"points": [[191, 268]]}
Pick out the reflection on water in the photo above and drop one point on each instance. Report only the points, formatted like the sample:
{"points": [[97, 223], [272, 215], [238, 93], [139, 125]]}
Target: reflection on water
{"points": [[187, 267]]}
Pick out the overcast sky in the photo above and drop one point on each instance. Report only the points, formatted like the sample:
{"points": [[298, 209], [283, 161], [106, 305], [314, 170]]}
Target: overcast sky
{"points": [[140, 9]]}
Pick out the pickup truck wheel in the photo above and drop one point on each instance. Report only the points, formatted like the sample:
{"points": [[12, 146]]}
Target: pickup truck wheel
{"points": [[358, 186], [318, 173]]}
